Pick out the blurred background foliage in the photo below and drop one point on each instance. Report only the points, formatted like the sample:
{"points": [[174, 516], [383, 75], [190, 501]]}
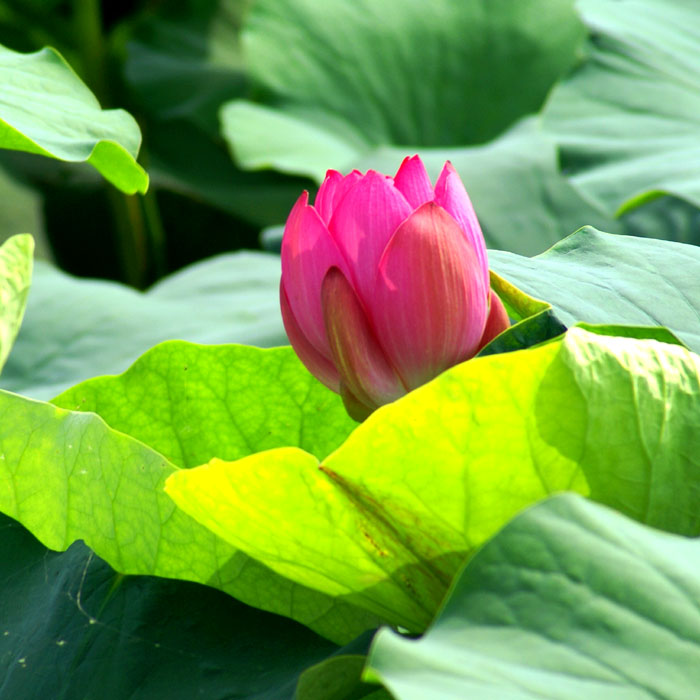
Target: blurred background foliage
{"points": [[556, 113]]}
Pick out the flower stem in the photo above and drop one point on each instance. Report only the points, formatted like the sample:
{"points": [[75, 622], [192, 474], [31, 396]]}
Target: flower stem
{"points": [[138, 226]]}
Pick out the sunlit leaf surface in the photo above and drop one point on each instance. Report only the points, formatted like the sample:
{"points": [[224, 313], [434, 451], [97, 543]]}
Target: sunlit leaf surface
{"points": [[387, 518]]}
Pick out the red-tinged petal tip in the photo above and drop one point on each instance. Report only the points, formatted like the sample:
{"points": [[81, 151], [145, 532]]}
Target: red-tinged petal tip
{"points": [[332, 190], [321, 367], [451, 195], [363, 223], [412, 181], [430, 303], [497, 320], [358, 357]]}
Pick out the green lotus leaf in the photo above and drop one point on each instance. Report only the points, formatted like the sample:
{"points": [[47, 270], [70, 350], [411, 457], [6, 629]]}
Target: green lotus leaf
{"points": [[386, 520], [569, 600], [46, 109]]}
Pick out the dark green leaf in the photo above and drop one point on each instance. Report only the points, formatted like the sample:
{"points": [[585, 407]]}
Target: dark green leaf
{"points": [[73, 628]]}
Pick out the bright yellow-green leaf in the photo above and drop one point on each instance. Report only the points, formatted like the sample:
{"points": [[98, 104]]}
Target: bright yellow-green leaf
{"points": [[189, 402], [387, 518]]}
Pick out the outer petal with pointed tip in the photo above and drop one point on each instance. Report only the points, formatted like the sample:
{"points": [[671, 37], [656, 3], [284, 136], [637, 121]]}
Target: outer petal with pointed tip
{"points": [[308, 251], [363, 223], [412, 181], [496, 322], [321, 367], [453, 198], [331, 192], [358, 357], [430, 300]]}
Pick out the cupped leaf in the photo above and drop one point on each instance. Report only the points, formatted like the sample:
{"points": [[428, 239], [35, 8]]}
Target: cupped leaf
{"points": [[357, 103], [45, 108], [569, 600], [67, 476], [427, 479], [628, 120], [73, 628], [231, 298], [598, 277], [292, 47], [15, 279]]}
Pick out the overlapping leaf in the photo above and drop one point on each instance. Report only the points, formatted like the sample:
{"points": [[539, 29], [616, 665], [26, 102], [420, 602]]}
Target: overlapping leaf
{"points": [[67, 475], [251, 417], [427, 479], [569, 600], [189, 402], [357, 102], [46, 109]]}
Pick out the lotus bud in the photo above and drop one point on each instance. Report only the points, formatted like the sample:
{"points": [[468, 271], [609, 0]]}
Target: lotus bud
{"points": [[385, 283]]}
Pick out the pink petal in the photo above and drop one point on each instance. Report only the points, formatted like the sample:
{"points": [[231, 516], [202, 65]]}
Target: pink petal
{"points": [[453, 198], [321, 367], [497, 320], [363, 223], [430, 302], [308, 251], [413, 182], [357, 355], [332, 190]]}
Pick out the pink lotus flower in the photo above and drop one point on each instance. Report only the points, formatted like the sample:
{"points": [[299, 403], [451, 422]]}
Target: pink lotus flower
{"points": [[385, 283]]}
